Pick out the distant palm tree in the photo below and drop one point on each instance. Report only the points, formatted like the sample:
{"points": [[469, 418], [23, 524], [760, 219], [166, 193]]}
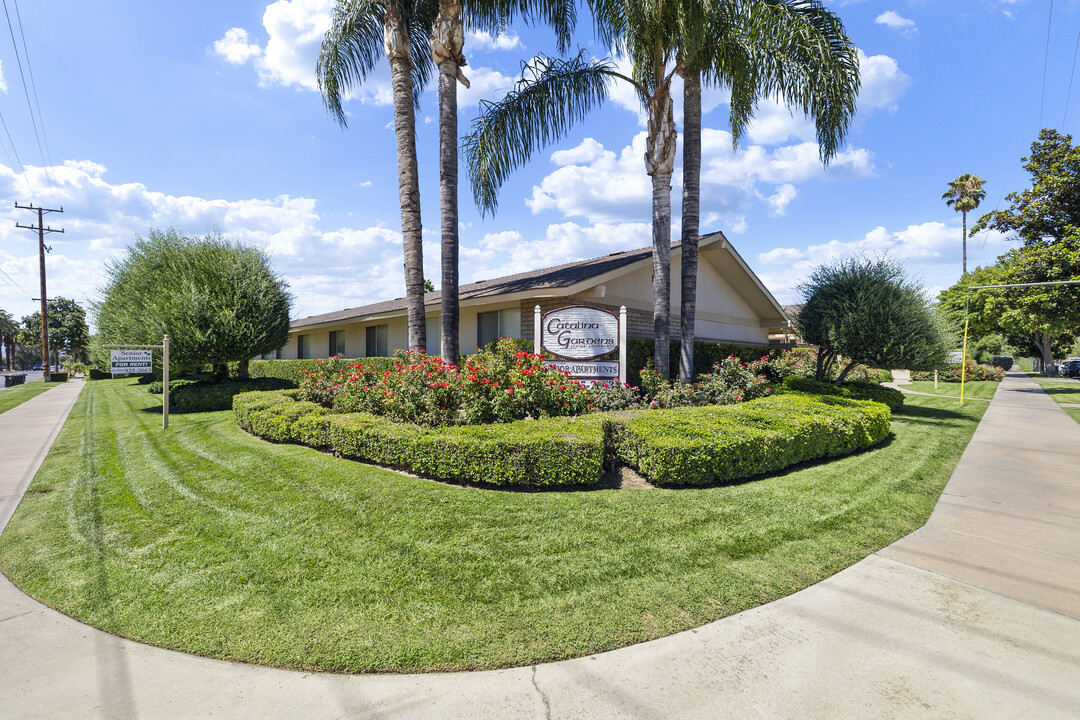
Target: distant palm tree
{"points": [[791, 49], [964, 195], [360, 31]]}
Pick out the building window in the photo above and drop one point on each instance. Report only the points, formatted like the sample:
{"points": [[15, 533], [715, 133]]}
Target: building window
{"points": [[303, 347], [493, 325], [279, 354], [431, 330], [337, 343], [377, 341]]}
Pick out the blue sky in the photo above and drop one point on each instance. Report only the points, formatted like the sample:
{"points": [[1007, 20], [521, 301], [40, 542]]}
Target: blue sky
{"points": [[204, 116]]}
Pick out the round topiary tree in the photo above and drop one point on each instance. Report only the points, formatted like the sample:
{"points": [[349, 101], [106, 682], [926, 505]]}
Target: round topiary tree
{"points": [[219, 301], [867, 311]]}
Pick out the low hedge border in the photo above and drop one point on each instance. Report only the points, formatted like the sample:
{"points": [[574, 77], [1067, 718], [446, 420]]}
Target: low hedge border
{"points": [[681, 446], [293, 370], [703, 445], [854, 390]]}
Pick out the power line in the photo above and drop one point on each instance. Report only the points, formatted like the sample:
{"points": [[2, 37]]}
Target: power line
{"points": [[1046, 59], [26, 92], [22, 170], [33, 85], [12, 280]]}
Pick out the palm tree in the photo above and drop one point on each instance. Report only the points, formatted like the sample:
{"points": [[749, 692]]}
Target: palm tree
{"points": [[360, 30], [447, 43], [553, 94], [745, 44], [757, 48], [964, 195]]}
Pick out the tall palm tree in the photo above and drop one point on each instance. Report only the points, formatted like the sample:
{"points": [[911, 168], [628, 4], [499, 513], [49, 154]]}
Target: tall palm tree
{"points": [[756, 47], [553, 94], [964, 195], [791, 49], [447, 44], [360, 31]]}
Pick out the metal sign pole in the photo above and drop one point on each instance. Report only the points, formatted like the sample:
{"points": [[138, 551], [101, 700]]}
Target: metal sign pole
{"points": [[623, 350]]}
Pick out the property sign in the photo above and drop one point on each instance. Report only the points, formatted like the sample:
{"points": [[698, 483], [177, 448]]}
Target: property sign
{"points": [[131, 361], [579, 333]]}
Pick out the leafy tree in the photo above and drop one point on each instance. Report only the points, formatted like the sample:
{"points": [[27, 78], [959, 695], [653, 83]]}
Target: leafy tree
{"points": [[8, 332], [219, 301], [360, 32], [795, 50], [1048, 211], [1045, 317], [866, 311], [956, 304], [964, 195], [68, 332]]}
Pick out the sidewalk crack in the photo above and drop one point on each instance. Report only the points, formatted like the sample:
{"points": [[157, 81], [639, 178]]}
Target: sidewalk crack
{"points": [[543, 697]]}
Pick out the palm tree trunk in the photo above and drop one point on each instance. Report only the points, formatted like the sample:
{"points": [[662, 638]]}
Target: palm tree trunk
{"points": [[659, 162], [691, 208], [397, 51], [964, 214], [447, 41]]}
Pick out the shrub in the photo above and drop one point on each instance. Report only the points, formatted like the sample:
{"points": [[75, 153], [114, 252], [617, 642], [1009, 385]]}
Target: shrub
{"points": [[972, 373], [61, 376], [499, 385], [615, 396], [293, 369], [854, 390], [98, 374], [706, 355], [730, 381], [556, 451], [677, 446], [1005, 362], [695, 446]]}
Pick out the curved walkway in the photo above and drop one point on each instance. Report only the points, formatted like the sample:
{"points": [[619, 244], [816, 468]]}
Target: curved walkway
{"points": [[977, 614]]}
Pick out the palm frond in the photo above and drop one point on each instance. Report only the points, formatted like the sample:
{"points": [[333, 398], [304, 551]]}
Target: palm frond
{"points": [[350, 49], [551, 96]]}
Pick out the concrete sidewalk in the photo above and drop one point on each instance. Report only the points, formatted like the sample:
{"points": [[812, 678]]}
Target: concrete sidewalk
{"points": [[975, 615]]}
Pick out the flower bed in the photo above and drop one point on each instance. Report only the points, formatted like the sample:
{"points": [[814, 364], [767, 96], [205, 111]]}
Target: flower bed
{"points": [[972, 373], [677, 446]]}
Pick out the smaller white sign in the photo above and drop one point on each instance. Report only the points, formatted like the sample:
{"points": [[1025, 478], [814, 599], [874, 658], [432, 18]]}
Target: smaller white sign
{"points": [[588, 370], [131, 361]]}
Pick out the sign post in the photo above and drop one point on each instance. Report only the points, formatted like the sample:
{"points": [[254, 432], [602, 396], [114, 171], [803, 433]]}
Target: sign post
{"points": [[577, 335], [140, 360]]}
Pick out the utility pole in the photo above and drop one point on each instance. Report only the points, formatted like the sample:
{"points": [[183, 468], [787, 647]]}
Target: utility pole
{"points": [[41, 262]]}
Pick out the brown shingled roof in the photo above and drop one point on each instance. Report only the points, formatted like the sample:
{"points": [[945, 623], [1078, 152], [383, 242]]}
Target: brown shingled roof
{"points": [[553, 277]]}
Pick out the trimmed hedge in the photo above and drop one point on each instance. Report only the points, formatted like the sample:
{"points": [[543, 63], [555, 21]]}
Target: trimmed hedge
{"points": [[555, 451], [61, 376], [853, 390], [679, 446], [697, 446], [292, 370]]}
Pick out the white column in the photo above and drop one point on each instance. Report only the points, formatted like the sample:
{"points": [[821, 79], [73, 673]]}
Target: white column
{"points": [[624, 350], [165, 383], [536, 330]]}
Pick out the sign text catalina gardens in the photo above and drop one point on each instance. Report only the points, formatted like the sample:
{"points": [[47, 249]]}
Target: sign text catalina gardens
{"points": [[581, 334]]}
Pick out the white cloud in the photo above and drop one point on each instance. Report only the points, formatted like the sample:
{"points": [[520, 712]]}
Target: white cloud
{"points": [[486, 41], [509, 252], [484, 84], [882, 82], [894, 21], [236, 48], [925, 249], [327, 269], [601, 186], [779, 200]]}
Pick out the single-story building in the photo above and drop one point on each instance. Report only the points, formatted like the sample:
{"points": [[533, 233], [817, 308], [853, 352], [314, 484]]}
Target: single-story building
{"points": [[732, 305]]}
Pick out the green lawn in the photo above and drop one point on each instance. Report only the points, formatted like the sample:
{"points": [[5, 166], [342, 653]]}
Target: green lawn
{"points": [[981, 389], [15, 396], [207, 540], [1063, 391]]}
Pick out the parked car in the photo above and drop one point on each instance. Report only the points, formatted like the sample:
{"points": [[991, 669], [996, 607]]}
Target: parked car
{"points": [[37, 367], [1070, 368]]}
